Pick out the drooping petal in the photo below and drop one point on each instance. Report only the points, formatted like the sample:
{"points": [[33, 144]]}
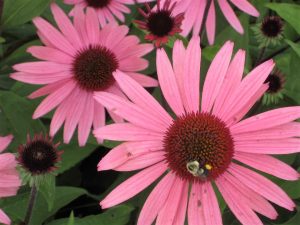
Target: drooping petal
{"points": [[60, 115], [156, 200], [250, 198], [195, 208], [262, 185], [268, 164], [239, 208], [134, 185], [86, 120], [211, 209], [99, 118], [78, 100], [181, 211], [167, 214]]}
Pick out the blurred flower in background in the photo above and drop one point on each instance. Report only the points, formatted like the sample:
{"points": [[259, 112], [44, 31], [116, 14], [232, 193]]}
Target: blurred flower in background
{"points": [[200, 13], [160, 22], [107, 10]]}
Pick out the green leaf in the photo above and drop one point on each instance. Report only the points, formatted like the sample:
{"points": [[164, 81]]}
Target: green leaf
{"points": [[295, 47], [294, 220], [47, 189], [19, 55], [73, 154], [210, 52], [119, 215], [18, 112], [289, 12], [18, 12], [16, 206], [71, 219]]}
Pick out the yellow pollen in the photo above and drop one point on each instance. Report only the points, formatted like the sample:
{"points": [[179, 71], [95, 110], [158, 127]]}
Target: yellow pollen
{"points": [[208, 166]]}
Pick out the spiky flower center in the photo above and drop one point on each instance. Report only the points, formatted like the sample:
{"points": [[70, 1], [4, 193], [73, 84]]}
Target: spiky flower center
{"points": [[38, 157], [275, 83], [97, 3], [160, 23], [93, 68], [272, 26], [198, 147]]}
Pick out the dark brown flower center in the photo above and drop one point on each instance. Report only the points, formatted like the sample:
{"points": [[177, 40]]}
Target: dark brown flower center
{"points": [[272, 26], [38, 157], [275, 83], [160, 23], [97, 3], [198, 147], [93, 68]]}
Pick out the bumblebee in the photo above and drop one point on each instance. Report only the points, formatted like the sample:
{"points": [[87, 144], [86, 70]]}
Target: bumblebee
{"points": [[199, 170]]}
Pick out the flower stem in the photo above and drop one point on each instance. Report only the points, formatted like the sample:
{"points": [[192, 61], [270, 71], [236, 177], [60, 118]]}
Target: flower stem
{"points": [[205, 17], [31, 203]]}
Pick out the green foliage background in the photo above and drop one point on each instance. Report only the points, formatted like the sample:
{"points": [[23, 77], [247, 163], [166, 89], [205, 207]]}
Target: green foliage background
{"points": [[72, 197]]}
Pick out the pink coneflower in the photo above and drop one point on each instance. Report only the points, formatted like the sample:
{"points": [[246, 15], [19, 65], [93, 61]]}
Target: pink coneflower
{"points": [[201, 144], [194, 11], [77, 61], [10, 181], [160, 23], [107, 10]]}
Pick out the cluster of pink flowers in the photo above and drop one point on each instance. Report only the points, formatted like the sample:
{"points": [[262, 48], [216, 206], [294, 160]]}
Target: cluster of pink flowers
{"points": [[89, 63]]}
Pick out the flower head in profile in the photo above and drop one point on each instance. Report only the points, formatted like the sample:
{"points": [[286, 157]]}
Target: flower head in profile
{"points": [[108, 11], [200, 13], [276, 90], [160, 23], [269, 31], [76, 61], [10, 180], [206, 142]]}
